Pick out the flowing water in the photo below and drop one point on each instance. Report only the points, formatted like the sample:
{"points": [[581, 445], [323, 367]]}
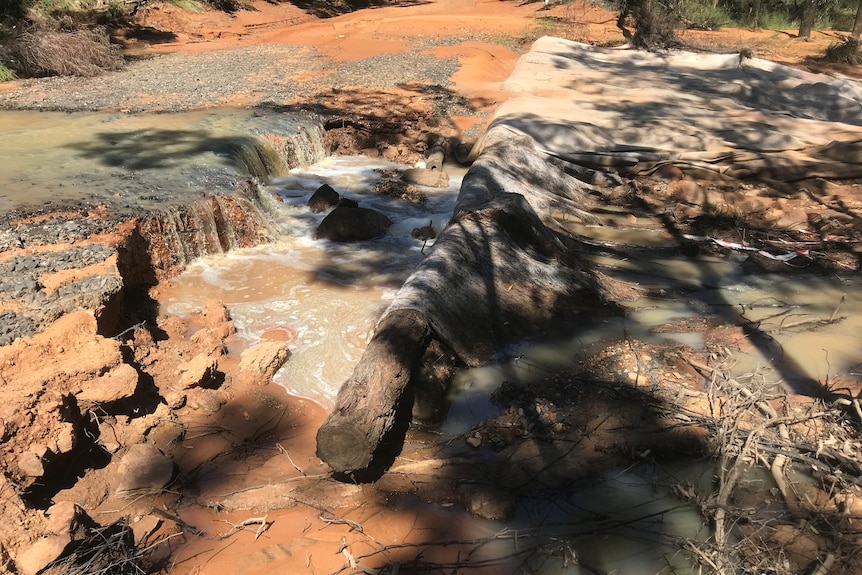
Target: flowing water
{"points": [[140, 162], [322, 297]]}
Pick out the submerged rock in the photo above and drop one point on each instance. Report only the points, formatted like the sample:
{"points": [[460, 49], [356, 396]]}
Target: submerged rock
{"points": [[353, 224], [426, 177]]}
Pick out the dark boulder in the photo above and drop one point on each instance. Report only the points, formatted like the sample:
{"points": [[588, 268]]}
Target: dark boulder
{"points": [[347, 203], [352, 225], [324, 198]]}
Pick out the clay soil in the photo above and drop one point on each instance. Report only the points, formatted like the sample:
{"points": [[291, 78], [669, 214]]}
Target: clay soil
{"points": [[232, 483]]}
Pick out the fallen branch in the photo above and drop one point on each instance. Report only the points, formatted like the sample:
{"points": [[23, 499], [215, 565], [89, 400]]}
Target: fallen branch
{"points": [[367, 404], [262, 521], [289, 458], [183, 525], [811, 321]]}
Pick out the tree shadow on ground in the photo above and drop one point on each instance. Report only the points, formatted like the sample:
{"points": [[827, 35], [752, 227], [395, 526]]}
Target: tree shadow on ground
{"points": [[147, 34], [328, 9]]}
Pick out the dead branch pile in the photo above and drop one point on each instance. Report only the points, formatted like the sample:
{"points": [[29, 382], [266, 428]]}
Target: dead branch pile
{"points": [[788, 475]]}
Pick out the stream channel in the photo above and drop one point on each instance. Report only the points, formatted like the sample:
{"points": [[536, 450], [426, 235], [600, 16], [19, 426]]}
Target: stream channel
{"points": [[324, 298]]}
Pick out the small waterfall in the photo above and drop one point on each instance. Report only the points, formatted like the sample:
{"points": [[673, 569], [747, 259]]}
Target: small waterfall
{"points": [[178, 234], [256, 158], [270, 152], [207, 217], [303, 148]]}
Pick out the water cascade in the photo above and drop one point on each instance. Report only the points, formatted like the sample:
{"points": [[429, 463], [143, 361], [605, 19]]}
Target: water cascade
{"points": [[134, 164], [269, 154], [179, 234], [322, 297], [152, 191]]}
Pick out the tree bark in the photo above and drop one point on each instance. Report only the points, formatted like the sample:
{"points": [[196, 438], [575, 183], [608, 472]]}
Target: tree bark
{"points": [[436, 156], [757, 9], [857, 23], [368, 402], [809, 13]]}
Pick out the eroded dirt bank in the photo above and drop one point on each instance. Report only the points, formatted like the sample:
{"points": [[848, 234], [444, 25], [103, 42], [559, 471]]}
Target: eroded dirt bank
{"points": [[117, 413]]}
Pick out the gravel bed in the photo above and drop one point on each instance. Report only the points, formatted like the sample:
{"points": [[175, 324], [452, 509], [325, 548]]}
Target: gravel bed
{"points": [[70, 258], [262, 73], [51, 231]]}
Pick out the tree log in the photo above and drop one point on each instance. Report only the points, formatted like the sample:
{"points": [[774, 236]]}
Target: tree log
{"points": [[367, 403], [436, 156], [496, 275]]}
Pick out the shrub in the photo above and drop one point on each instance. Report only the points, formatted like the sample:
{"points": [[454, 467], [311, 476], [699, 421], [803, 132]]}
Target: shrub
{"points": [[50, 52], [703, 15], [779, 20], [655, 24], [846, 52], [46, 10], [229, 6]]}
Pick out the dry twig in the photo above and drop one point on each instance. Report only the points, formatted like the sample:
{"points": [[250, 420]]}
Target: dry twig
{"points": [[262, 521]]}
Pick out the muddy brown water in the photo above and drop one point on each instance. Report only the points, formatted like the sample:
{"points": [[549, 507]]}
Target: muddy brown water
{"points": [[325, 298], [135, 162]]}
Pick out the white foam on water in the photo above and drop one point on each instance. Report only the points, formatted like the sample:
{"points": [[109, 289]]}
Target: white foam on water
{"points": [[323, 297]]}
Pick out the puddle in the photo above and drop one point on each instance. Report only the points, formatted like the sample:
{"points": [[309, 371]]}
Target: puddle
{"points": [[620, 523]]}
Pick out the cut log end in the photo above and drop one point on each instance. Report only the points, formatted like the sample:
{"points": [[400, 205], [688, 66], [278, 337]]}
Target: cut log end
{"points": [[344, 447], [367, 405]]}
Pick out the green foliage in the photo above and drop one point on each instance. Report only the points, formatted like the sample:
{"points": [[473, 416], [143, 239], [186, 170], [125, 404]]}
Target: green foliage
{"points": [[655, 23], [6, 74], [50, 9], [13, 10], [229, 6], [778, 20], [508, 41], [786, 14], [542, 26], [837, 15], [703, 15], [755, 14], [190, 5]]}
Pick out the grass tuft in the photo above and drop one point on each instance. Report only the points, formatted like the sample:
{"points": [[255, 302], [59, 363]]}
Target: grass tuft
{"points": [[7, 74], [42, 10], [846, 52]]}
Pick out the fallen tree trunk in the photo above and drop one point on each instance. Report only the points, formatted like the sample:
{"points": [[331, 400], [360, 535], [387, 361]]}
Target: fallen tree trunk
{"points": [[497, 274], [368, 402]]}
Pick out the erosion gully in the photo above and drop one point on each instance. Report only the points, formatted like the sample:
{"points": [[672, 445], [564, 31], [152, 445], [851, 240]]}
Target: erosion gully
{"points": [[324, 298]]}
